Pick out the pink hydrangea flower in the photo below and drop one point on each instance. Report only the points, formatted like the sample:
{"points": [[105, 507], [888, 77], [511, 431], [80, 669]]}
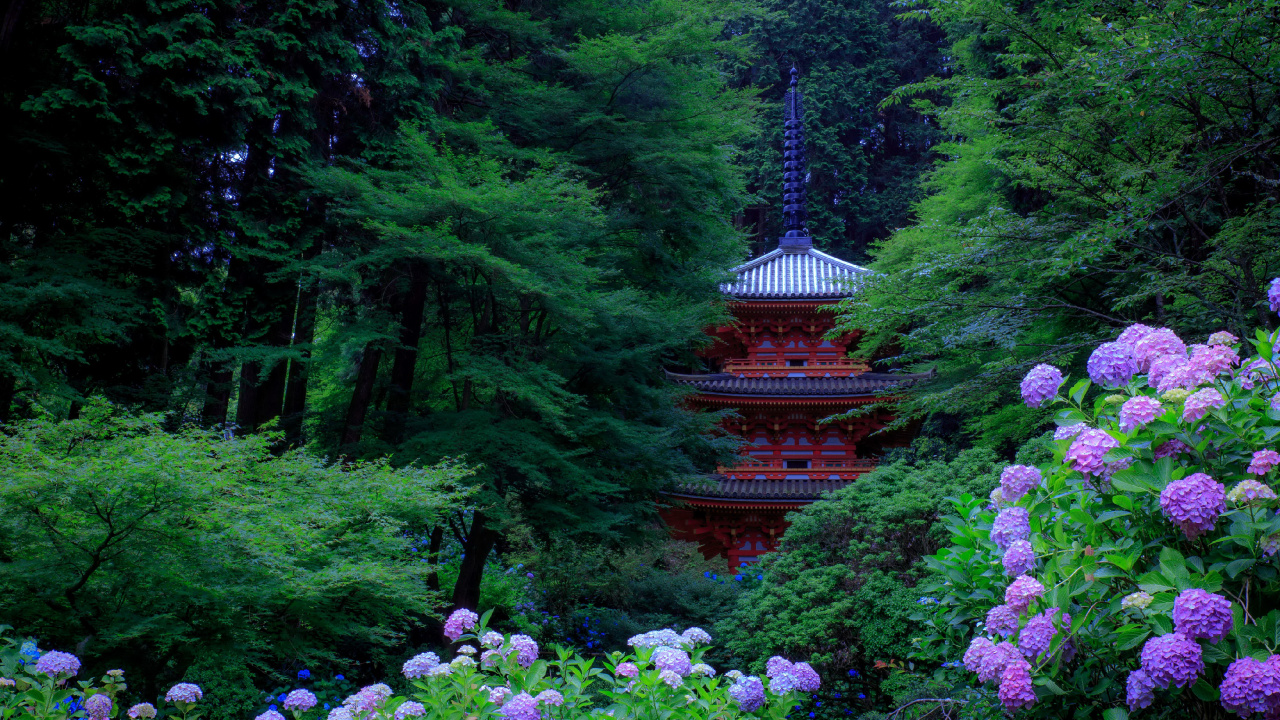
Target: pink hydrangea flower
{"points": [[1138, 411], [1194, 503], [1160, 341], [1198, 405], [1213, 360], [1040, 385], [1184, 376], [1198, 614], [1019, 559], [1018, 480], [1011, 524], [1112, 365], [550, 697], [978, 648], [1263, 461], [1015, 686], [270, 715], [992, 663], [626, 669], [1250, 491], [1172, 660], [1171, 448], [1087, 450], [1161, 367], [1132, 334], [409, 709], [1140, 690], [145, 711], [461, 621], [1002, 620], [526, 649], [1021, 592], [1251, 686]]}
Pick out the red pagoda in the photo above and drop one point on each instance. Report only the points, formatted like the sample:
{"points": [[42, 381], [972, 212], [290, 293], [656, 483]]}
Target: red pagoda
{"points": [[782, 375]]}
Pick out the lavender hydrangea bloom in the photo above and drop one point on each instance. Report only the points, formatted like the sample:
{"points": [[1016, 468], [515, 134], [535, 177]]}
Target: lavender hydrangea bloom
{"points": [[671, 678], [992, 664], [777, 665], [1011, 524], [1112, 365], [491, 640], [340, 713], [1247, 492], [1263, 461], [1156, 343], [1035, 638], [499, 694], [704, 670], [300, 699], [1138, 411], [1213, 360], [1021, 592], [1273, 295], [1171, 448], [1018, 480], [270, 715], [1019, 559], [1194, 503], [58, 665], [1087, 450], [520, 707], [461, 621], [1140, 690], [677, 661], [748, 693], [657, 638], [782, 684], [98, 707], [1002, 620], [807, 679], [626, 669], [409, 709], [550, 697], [1067, 432], [1250, 686], [1132, 334], [184, 692], [1172, 660], [1161, 367], [440, 670], [143, 711], [526, 649], [1015, 686], [490, 658], [978, 649], [419, 665], [1198, 614], [1040, 385], [1182, 377], [1200, 402], [696, 636]]}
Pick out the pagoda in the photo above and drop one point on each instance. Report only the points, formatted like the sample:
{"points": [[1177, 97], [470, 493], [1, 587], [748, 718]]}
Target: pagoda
{"points": [[776, 367]]}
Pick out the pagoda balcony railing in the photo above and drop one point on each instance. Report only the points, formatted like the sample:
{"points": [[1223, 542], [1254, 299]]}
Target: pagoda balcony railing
{"points": [[817, 468], [754, 368]]}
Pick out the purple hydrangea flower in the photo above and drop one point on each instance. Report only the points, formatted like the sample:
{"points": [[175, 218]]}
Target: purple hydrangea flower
{"points": [[782, 684], [1161, 367], [419, 665], [1194, 503], [1132, 334], [499, 694], [1263, 461], [1021, 592], [978, 649], [1019, 559], [1275, 402], [1250, 686], [748, 693], [520, 707], [1156, 343], [489, 658], [526, 649], [671, 678], [409, 709], [340, 713], [461, 621], [1112, 365], [1040, 385], [58, 665], [270, 715], [1066, 432], [184, 692], [777, 665], [807, 679], [1140, 690], [677, 661], [1011, 524], [1213, 360], [1171, 448], [550, 697], [491, 640], [1200, 402], [1035, 638], [657, 638], [1138, 411], [626, 669], [1183, 377], [992, 663], [1172, 660], [1198, 614], [1087, 450], [1018, 480], [1247, 492], [145, 711], [1273, 295], [300, 699], [98, 707], [695, 636], [1015, 686], [1002, 620]]}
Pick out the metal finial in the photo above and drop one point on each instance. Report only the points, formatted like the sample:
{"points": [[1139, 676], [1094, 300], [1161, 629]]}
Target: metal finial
{"points": [[795, 213]]}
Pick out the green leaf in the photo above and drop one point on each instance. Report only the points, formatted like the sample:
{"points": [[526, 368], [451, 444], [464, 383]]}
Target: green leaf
{"points": [[1110, 515], [1235, 567], [1115, 714], [1131, 636], [1205, 691]]}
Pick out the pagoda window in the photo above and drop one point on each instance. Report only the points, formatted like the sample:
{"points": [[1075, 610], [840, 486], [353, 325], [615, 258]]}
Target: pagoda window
{"points": [[797, 464], [797, 363]]}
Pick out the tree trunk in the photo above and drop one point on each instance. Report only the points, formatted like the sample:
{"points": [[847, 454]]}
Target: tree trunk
{"points": [[295, 395], [362, 395], [406, 356], [217, 393], [433, 556], [8, 386], [476, 549]]}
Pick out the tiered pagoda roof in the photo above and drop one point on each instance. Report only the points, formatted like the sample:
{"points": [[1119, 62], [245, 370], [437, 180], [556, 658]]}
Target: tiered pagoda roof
{"points": [[794, 272], [866, 384]]}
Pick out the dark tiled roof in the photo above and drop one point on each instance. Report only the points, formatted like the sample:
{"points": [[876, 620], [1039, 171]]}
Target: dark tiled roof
{"points": [[761, 489], [780, 275], [864, 384]]}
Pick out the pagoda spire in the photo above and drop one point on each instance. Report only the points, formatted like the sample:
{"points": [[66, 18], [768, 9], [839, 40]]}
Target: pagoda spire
{"points": [[795, 171]]}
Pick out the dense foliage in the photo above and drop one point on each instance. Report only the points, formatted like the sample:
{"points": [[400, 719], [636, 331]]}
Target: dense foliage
{"points": [[165, 553], [1104, 163]]}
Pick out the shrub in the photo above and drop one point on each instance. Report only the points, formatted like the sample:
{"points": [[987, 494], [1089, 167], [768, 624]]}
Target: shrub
{"points": [[1137, 568]]}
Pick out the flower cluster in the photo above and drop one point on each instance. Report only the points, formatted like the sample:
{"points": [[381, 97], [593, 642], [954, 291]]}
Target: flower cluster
{"points": [[1018, 480], [1021, 592], [1263, 461], [58, 665], [1194, 503], [1019, 559], [460, 621], [1112, 365], [1199, 614], [1172, 659], [1011, 525], [184, 692], [748, 693], [1252, 686], [1041, 385], [1087, 450], [1138, 411]]}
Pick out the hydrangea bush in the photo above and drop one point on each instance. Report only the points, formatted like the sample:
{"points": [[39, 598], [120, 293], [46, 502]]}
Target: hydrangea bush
{"points": [[1137, 569]]}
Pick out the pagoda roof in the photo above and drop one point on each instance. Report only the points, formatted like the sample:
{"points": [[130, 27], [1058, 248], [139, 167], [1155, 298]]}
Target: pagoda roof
{"points": [[794, 272], [854, 386], [796, 490]]}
